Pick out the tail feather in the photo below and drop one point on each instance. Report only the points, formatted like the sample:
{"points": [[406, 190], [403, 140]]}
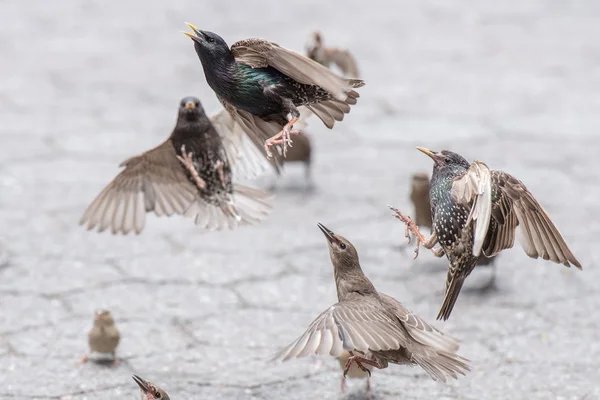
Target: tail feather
{"points": [[443, 365], [452, 292], [247, 206]]}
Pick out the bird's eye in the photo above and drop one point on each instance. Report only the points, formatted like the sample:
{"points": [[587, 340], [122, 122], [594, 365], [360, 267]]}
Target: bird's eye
{"points": [[157, 395], [343, 246], [210, 40], [182, 104], [197, 104]]}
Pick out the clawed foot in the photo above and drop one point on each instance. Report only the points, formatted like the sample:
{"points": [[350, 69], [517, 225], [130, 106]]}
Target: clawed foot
{"points": [[411, 227], [282, 138], [84, 359], [219, 168], [358, 360], [188, 163]]}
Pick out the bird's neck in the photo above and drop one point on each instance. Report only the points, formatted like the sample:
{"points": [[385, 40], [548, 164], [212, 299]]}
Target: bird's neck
{"points": [[185, 128], [350, 279], [220, 71]]}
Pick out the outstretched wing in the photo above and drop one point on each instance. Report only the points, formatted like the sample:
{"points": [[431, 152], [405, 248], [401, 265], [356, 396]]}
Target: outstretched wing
{"points": [[515, 207], [246, 157], [475, 186], [259, 53], [350, 325], [344, 60], [152, 181], [418, 329]]}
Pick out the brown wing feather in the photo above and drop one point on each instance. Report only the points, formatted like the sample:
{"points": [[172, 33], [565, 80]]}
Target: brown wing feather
{"points": [[152, 181], [515, 207], [259, 53]]}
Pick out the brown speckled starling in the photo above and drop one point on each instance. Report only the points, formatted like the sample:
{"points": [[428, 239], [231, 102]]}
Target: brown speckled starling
{"points": [[419, 196], [150, 391], [476, 212], [104, 336], [329, 56], [189, 174], [261, 83], [374, 328]]}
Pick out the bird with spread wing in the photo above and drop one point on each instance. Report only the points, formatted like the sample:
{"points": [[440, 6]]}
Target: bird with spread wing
{"points": [[370, 329], [476, 213], [189, 174], [261, 83]]}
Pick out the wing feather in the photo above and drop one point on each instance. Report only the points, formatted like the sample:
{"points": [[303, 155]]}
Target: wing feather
{"points": [[537, 234], [259, 53], [475, 187]]}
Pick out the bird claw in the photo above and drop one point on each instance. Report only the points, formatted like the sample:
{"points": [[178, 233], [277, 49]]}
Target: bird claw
{"points": [[188, 163], [282, 138], [358, 360], [219, 167], [411, 227]]}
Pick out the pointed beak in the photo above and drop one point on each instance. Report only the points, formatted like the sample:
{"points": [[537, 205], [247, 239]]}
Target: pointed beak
{"points": [[430, 153], [328, 234], [197, 36], [141, 383], [190, 105]]}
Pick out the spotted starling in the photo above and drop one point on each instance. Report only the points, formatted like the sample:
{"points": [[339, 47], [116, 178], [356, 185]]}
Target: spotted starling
{"points": [[260, 83], [150, 391], [419, 196], [104, 336], [328, 56], [374, 328], [476, 212], [189, 174]]}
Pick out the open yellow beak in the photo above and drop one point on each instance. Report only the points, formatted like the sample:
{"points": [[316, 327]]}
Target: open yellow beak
{"points": [[194, 29]]}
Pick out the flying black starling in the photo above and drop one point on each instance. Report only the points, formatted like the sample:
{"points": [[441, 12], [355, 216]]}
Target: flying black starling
{"points": [[419, 196], [374, 328], [260, 83], [328, 56], [476, 212], [104, 336], [189, 174], [150, 391]]}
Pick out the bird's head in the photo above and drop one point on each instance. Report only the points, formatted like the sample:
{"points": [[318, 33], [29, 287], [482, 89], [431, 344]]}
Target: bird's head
{"points": [[103, 318], [341, 251], [207, 44], [190, 108], [314, 45], [149, 391], [445, 158]]}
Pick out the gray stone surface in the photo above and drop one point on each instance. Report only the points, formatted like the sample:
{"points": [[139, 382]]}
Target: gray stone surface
{"points": [[86, 84]]}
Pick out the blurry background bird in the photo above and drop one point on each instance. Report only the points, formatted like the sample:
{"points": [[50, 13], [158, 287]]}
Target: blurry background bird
{"points": [[331, 56], [372, 327], [104, 336], [149, 391], [476, 212], [189, 174], [301, 151], [261, 83], [419, 196]]}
